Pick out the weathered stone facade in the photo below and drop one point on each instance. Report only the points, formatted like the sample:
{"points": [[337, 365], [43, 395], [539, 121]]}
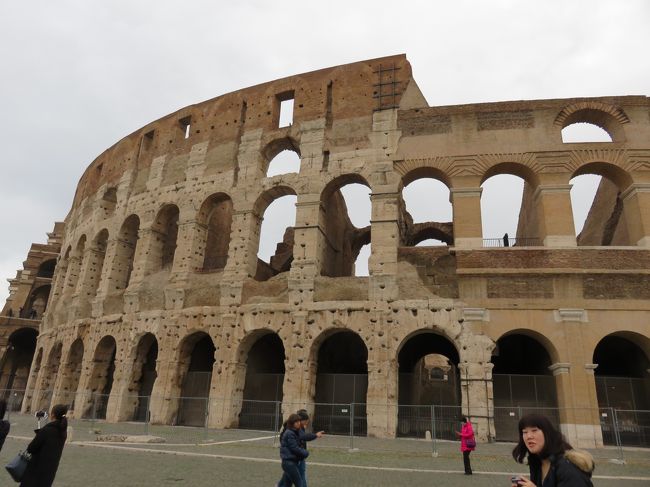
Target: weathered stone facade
{"points": [[160, 247]]}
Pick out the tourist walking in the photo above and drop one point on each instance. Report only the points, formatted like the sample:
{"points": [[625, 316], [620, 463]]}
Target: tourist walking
{"points": [[467, 443], [551, 460], [4, 424], [291, 452], [46, 449], [305, 436]]}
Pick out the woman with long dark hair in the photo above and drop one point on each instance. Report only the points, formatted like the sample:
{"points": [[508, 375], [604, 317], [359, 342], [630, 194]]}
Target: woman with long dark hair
{"points": [[291, 452], [46, 449], [551, 460]]}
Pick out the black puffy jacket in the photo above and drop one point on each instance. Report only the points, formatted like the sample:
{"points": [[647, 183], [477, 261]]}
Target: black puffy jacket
{"points": [[290, 448], [573, 469]]}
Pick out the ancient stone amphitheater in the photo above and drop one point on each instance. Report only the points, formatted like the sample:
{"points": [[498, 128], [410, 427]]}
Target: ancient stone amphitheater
{"points": [[159, 301]]}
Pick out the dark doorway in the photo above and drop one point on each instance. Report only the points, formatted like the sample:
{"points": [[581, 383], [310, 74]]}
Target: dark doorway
{"points": [[195, 392], [16, 363], [429, 395], [144, 371], [101, 381], [342, 385], [263, 386], [522, 383]]}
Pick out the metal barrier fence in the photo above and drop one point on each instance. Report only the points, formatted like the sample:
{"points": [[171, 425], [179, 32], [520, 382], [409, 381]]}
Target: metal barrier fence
{"points": [[191, 419]]}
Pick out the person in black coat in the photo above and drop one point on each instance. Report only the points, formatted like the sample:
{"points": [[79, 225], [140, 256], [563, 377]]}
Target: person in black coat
{"points": [[4, 425], [552, 462], [46, 449], [291, 452]]}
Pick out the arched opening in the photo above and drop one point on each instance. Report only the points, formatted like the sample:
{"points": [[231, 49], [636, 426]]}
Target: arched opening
{"points": [[143, 375], [49, 377], [581, 132], [74, 267], [216, 216], [426, 202], [521, 381], [275, 249], [37, 302], [345, 214], [163, 247], [96, 258], [263, 384], [286, 161], [46, 269], [16, 363], [598, 209], [425, 401], [109, 202], [623, 383], [71, 372], [341, 384], [101, 379], [502, 208], [196, 363], [33, 377], [127, 241]]}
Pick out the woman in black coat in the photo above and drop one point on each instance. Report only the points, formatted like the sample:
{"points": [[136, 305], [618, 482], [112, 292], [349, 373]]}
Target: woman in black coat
{"points": [[4, 425], [551, 460], [46, 449]]}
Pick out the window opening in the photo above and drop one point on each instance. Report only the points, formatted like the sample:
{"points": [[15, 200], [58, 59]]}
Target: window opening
{"points": [[427, 199], [186, 124], [584, 132], [583, 193], [279, 215], [286, 109], [501, 208], [287, 161], [361, 264]]}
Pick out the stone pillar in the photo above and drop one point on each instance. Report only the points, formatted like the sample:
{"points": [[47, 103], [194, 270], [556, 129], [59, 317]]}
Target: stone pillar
{"points": [[384, 237], [307, 249], [106, 280], [636, 208], [122, 401], [242, 255], [163, 406], [227, 394], [468, 230], [91, 271], [477, 397], [553, 203], [381, 399]]}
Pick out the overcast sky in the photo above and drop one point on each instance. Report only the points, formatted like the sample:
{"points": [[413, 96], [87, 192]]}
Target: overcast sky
{"points": [[79, 75]]}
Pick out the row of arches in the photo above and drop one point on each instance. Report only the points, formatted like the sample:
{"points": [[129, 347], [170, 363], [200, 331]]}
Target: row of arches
{"points": [[430, 372], [343, 216]]}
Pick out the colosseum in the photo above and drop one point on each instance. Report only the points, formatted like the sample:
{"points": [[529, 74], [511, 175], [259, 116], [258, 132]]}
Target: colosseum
{"points": [[150, 300]]}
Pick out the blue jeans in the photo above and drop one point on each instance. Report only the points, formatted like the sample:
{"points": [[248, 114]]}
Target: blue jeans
{"points": [[291, 474]]}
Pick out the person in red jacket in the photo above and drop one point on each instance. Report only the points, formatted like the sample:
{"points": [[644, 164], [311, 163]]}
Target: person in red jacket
{"points": [[467, 443]]}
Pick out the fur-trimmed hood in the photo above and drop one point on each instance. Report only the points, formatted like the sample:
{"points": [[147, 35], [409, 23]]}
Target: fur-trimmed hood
{"points": [[581, 459]]}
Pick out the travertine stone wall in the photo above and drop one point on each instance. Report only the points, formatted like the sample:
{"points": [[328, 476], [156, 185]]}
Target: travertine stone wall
{"points": [[144, 210]]}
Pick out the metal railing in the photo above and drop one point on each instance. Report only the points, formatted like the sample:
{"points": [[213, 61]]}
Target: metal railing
{"points": [[512, 242], [190, 421]]}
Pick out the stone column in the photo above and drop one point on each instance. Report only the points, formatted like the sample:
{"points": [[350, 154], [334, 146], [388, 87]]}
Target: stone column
{"points": [[106, 280], [91, 271], [553, 203], [477, 397], [122, 401], [163, 406], [384, 237], [636, 208], [242, 255], [227, 394], [307, 249], [468, 230]]}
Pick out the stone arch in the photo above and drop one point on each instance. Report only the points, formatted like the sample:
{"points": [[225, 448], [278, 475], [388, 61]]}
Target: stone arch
{"points": [[262, 355], [283, 257], [143, 376], [608, 220], [74, 266], [127, 240], [522, 377], [37, 302], [48, 377], [418, 392], [163, 244], [341, 241], [100, 383], [215, 222], [196, 357], [95, 264], [15, 365], [514, 168], [608, 117], [425, 172], [275, 147], [46, 269], [430, 230], [71, 373], [340, 356], [34, 374]]}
